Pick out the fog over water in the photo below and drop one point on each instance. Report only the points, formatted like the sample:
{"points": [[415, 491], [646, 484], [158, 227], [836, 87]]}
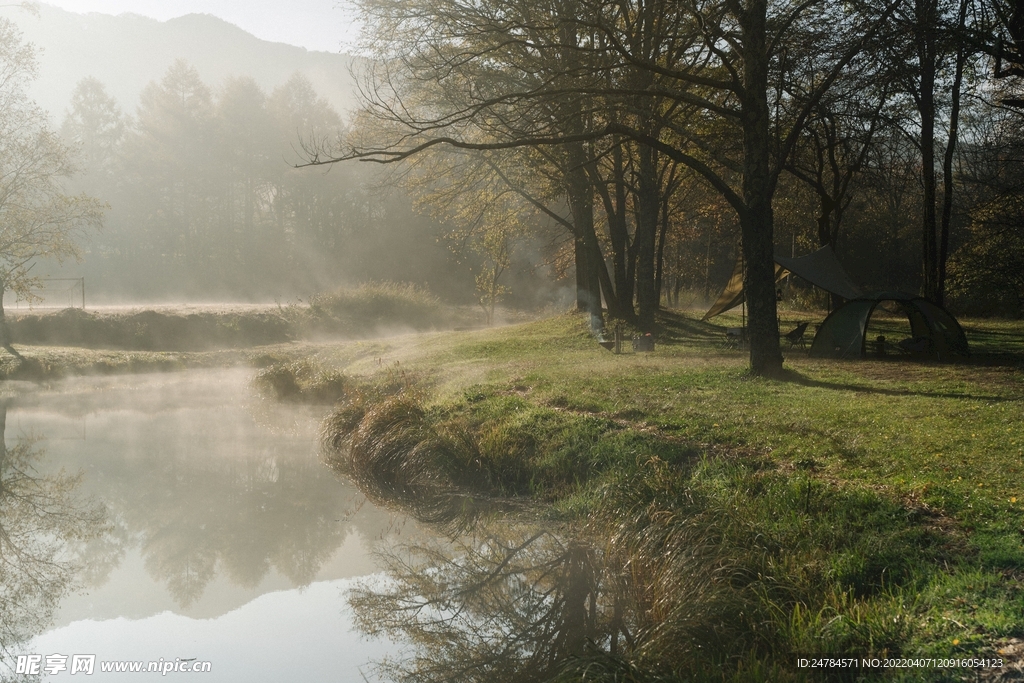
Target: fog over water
{"points": [[224, 536]]}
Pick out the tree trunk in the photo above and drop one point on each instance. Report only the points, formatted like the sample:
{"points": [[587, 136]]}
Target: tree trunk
{"points": [[5, 333], [582, 287], [947, 165], [618, 234], [624, 285], [648, 208], [659, 269], [925, 18], [826, 207], [581, 205], [757, 221]]}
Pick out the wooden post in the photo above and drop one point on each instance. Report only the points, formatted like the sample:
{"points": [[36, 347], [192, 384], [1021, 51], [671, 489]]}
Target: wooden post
{"points": [[744, 336]]}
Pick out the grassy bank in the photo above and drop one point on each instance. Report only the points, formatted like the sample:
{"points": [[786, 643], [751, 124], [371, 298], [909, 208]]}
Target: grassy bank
{"points": [[149, 330], [49, 363], [367, 311], [854, 508]]}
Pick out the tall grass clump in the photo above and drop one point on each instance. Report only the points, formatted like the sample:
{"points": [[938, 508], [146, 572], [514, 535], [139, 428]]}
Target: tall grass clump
{"points": [[729, 565], [399, 457], [523, 452], [375, 306], [302, 380]]}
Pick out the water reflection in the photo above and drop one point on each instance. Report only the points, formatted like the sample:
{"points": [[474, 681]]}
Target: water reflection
{"points": [[200, 482], [47, 532], [247, 517], [220, 536], [503, 603]]}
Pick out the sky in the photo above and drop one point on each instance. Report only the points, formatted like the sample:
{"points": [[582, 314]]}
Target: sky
{"points": [[326, 25]]}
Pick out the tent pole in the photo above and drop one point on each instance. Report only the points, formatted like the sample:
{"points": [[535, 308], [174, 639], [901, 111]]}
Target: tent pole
{"points": [[743, 307]]}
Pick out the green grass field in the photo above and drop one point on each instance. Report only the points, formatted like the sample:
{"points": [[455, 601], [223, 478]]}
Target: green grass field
{"points": [[858, 507]]}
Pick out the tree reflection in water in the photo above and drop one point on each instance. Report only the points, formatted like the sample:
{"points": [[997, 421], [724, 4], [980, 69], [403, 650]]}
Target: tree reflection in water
{"points": [[210, 490], [639, 591], [503, 603], [45, 532], [196, 516]]}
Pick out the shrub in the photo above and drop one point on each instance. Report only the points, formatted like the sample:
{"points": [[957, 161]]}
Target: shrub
{"points": [[374, 305], [302, 380]]}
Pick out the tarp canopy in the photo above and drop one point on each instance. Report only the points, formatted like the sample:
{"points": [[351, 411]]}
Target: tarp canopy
{"points": [[732, 295], [821, 268], [843, 333]]}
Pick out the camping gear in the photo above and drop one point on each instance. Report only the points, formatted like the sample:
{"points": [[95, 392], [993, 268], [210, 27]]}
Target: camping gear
{"points": [[935, 333], [644, 343], [796, 336], [821, 268], [735, 337]]}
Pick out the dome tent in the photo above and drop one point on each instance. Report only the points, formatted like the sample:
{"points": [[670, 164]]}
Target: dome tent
{"points": [[843, 333]]}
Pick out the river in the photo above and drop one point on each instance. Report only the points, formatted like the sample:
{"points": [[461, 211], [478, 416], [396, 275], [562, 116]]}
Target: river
{"points": [[203, 528]]}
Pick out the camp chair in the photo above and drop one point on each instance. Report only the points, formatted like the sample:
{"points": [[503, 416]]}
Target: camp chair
{"points": [[735, 337], [796, 336]]}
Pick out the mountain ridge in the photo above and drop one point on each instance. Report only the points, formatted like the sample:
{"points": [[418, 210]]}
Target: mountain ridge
{"points": [[128, 51]]}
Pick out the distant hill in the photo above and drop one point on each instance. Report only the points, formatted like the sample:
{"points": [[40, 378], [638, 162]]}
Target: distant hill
{"points": [[128, 51]]}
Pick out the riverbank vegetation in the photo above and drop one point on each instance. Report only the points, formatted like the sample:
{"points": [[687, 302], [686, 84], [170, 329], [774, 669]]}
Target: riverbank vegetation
{"points": [[276, 340], [863, 508], [49, 363], [369, 310]]}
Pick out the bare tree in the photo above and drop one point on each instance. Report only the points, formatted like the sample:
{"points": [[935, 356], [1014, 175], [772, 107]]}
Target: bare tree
{"points": [[928, 63], [686, 82], [43, 522], [38, 219]]}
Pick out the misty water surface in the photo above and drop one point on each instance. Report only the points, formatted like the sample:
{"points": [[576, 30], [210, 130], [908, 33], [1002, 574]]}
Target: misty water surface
{"points": [[223, 538]]}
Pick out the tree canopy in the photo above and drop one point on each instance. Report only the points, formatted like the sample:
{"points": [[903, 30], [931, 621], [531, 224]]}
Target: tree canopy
{"points": [[768, 104], [724, 89], [38, 217]]}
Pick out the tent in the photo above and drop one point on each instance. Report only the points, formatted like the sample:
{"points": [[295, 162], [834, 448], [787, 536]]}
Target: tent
{"points": [[935, 332], [820, 268]]}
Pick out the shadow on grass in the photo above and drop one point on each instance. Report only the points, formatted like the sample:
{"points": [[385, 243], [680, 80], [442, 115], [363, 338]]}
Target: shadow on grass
{"points": [[794, 377], [676, 328]]}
